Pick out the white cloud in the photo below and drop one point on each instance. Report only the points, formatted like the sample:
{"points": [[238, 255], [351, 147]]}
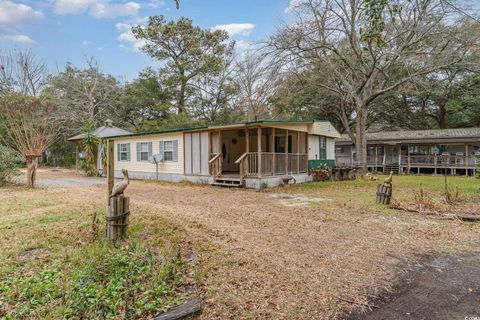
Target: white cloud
{"points": [[126, 35], [96, 8], [243, 29], [156, 3], [17, 14], [19, 38], [293, 4]]}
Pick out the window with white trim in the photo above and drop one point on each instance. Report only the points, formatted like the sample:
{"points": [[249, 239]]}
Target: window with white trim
{"points": [[123, 152], [144, 151], [168, 150]]}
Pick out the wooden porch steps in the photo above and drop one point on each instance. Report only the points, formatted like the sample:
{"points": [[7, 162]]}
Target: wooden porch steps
{"points": [[392, 167], [229, 182]]}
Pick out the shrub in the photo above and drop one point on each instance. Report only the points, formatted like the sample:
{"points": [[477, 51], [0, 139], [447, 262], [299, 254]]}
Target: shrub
{"points": [[9, 162]]}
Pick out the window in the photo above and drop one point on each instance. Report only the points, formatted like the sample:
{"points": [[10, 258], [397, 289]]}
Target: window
{"points": [[144, 151], [169, 150], [323, 148], [123, 152]]}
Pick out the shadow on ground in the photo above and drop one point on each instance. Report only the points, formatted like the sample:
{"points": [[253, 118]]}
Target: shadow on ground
{"points": [[442, 287]]}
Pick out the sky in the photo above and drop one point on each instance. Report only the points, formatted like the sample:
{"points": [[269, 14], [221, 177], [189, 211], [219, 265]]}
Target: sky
{"points": [[61, 31]]}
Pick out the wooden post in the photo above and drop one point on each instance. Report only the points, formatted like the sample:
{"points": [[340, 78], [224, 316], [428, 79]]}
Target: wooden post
{"points": [[110, 167], [286, 152], [77, 156], [117, 218], [351, 155], [466, 163], [259, 151], [376, 158], [399, 150], [384, 193], [298, 152], [247, 140], [273, 150]]}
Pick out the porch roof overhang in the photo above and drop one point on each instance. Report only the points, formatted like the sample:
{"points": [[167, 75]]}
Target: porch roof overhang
{"points": [[244, 125]]}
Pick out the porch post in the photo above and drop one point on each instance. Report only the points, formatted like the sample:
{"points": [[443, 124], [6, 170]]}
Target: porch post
{"points": [[376, 158], [259, 144], [467, 164], [351, 155], [399, 150], [76, 157], [298, 152], [273, 150], [286, 151], [247, 140]]}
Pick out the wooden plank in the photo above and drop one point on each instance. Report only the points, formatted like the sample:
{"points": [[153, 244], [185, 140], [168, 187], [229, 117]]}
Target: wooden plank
{"points": [[110, 168], [196, 153], [189, 308], [204, 154], [188, 153]]}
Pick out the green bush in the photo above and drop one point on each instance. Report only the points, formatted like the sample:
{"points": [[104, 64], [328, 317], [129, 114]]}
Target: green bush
{"points": [[99, 282], [9, 162]]}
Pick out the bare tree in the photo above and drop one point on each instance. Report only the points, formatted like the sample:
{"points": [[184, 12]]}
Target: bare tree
{"points": [[29, 127], [416, 38], [256, 80], [21, 71], [83, 95]]}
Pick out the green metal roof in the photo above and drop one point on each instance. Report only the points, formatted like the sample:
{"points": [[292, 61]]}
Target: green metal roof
{"points": [[247, 123]]}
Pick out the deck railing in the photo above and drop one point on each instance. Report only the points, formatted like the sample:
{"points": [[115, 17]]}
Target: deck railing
{"points": [[439, 161], [272, 164], [215, 165]]}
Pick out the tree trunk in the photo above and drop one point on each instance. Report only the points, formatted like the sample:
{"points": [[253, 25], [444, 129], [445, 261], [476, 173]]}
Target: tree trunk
{"points": [[181, 99], [31, 171], [361, 139]]}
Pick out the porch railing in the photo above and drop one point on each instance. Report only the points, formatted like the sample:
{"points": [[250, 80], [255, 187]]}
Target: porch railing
{"points": [[215, 165], [452, 161], [272, 164]]}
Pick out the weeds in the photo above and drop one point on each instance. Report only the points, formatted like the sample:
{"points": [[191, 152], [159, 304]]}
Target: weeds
{"points": [[98, 282]]}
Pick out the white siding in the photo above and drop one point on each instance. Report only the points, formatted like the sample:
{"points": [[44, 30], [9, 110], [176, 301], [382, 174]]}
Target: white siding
{"points": [[330, 148], [145, 166], [313, 147], [324, 128]]}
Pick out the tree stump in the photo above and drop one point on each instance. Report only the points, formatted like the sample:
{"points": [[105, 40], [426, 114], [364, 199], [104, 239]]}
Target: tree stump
{"points": [[117, 218], [384, 193]]}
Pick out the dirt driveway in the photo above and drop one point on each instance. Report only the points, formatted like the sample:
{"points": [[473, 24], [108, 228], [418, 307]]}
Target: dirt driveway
{"points": [[262, 258], [298, 254]]}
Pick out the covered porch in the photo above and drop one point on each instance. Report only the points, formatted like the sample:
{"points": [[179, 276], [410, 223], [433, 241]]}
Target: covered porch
{"points": [[257, 152]]}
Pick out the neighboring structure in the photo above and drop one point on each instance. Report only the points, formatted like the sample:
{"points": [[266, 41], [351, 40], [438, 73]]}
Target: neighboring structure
{"points": [[108, 130], [421, 151], [251, 154]]}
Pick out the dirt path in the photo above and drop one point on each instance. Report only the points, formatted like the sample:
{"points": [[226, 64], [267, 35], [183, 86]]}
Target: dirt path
{"points": [[442, 287]]}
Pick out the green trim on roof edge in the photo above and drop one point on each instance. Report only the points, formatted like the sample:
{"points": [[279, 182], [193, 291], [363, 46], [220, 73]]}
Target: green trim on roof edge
{"points": [[247, 123]]}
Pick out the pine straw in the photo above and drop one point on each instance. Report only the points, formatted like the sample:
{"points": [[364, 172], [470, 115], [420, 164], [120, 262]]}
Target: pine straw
{"points": [[260, 259]]}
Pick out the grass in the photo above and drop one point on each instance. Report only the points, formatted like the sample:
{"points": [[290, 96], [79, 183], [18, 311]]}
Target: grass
{"points": [[403, 187], [56, 266]]}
